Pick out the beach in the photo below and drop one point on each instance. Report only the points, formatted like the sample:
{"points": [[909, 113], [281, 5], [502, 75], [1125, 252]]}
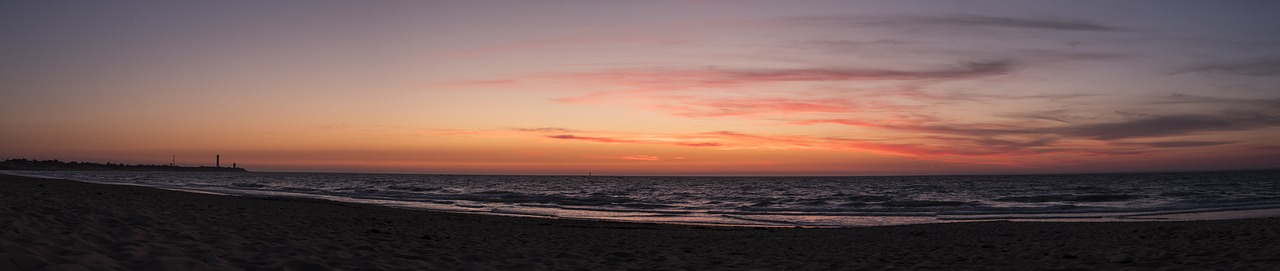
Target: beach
{"points": [[54, 224]]}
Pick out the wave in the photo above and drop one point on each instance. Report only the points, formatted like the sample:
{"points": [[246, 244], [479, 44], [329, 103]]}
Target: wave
{"points": [[926, 203], [412, 188], [1095, 214], [864, 198], [771, 201], [1071, 198], [248, 185]]}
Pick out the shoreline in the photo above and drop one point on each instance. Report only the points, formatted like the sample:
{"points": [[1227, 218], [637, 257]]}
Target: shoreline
{"points": [[974, 209], [62, 224]]}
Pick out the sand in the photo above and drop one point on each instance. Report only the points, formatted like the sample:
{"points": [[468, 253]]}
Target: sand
{"points": [[65, 225]]}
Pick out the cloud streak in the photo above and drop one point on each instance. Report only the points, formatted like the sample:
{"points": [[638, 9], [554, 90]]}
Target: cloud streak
{"points": [[1179, 98], [721, 107], [1151, 126], [562, 42], [917, 147], [671, 79], [545, 130], [638, 157], [1164, 126], [1261, 67], [954, 111], [953, 21], [1177, 144], [632, 139]]}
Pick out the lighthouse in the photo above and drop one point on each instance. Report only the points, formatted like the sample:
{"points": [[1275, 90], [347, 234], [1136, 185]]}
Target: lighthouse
{"points": [[217, 160]]}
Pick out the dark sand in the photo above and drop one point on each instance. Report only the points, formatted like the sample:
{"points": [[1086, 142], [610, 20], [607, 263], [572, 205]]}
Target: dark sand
{"points": [[66, 225]]}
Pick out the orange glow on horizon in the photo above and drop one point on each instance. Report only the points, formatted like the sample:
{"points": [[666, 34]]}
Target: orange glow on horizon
{"points": [[647, 88]]}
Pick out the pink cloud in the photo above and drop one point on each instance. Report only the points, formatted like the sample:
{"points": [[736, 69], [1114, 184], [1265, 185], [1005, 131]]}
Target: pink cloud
{"points": [[720, 107], [653, 89]]}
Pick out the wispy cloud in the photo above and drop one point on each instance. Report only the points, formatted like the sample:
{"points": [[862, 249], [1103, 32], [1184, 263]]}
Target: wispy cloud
{"points": [[545, 130], [1258, 67], [1176, 144], [1008, 145], [1180, 98], [727, 77], [528, 45], [648, 158], [1151, 126], [594, 139], [1060, 115], [917, 147], [840, 45], [953, 21], [661, 88], [903, 109], [1164, 126], [688, 141], [720, 107]]}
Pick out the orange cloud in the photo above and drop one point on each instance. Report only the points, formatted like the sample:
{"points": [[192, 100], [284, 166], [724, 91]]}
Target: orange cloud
{"points": [[628, 157], [720, 107]]}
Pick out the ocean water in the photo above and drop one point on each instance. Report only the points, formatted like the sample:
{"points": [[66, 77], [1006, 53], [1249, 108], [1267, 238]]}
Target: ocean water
{"points": [[757, 201]]}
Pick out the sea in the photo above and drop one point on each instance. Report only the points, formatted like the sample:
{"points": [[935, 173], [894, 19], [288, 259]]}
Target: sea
{"points": [[759, 201]]}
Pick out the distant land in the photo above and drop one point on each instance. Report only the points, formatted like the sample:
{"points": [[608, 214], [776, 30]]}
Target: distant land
{"points": [[24, 164]]}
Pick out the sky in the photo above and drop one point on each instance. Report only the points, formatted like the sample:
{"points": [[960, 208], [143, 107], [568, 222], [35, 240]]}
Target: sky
{"points": [[709, 87]]}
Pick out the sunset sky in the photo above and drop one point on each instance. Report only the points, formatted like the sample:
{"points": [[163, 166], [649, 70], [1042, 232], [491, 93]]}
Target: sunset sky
{"points": [[645, 87]]}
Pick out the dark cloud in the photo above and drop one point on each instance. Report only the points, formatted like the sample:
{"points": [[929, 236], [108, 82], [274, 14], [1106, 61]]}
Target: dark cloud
{"points": [[956, 21], [962, 70], [1178, 98], [672, 79], [992, 21], [1006, 145], [949, 49], [1147, 126], [1176, 144], [1070, 55], [919, 94], [1131, 114], [850, 43], [1262, 67], [1159, 126], [843, 46], [1049, 115]]}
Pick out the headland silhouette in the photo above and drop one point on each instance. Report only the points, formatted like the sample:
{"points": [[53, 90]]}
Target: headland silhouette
{"points": [[26, 164]]}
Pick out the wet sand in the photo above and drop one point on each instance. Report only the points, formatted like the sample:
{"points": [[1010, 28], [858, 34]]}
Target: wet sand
{"points": [[66, 225]]}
